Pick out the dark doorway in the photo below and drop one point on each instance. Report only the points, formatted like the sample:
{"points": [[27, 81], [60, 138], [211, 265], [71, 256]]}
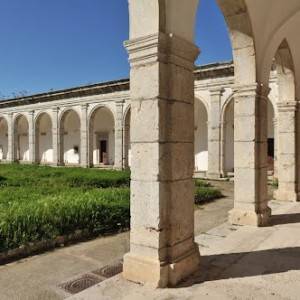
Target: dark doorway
{"points": [[103, 152]]}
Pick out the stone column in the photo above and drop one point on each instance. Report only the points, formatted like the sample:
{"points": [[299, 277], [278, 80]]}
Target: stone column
{"points": [[11, 138], [55, 137], [162, 248], [250, 159], [119, 136], [214, 134], [31, 136], [275, 125], [84, 151], [287, 166], [126, 144]]}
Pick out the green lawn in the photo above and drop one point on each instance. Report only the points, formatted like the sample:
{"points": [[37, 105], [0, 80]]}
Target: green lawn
{"points": [[39, 203]]}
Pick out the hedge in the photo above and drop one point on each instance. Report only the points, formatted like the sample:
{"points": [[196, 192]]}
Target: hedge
{"points": [[206, 194]]}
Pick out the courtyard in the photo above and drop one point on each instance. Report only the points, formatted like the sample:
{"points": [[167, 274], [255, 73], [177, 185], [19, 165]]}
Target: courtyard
{"points": [[234, 257], [149, 149]]}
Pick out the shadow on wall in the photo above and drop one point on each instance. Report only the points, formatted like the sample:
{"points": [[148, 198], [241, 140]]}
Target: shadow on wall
{"points": [[247, 264]]}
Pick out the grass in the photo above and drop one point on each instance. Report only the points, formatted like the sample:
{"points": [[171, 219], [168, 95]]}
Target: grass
{"points": [[39, 203]]}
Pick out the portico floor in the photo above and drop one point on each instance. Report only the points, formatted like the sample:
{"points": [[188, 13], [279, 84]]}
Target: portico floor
{"points": [[237, 263]]}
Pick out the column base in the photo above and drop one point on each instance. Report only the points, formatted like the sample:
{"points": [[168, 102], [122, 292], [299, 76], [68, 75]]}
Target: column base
{"points": [[284, 195], [141, 269], [250, 218], [214, 176]]}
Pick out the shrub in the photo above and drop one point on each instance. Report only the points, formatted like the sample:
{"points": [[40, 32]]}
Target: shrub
{"points": [[206, 194], [202, 183]]}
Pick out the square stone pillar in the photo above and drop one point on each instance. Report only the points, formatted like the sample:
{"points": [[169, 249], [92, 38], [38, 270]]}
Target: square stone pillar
{"points": [[31, 136], [275, 124], [84, 143], [119, 136], [55, 137], [250, 157], [214, 134], [287, 156], [162, 247], [10, 138]]}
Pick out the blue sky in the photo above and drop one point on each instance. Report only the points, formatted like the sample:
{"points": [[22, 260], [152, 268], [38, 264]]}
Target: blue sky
{"points": [[64, 43]]}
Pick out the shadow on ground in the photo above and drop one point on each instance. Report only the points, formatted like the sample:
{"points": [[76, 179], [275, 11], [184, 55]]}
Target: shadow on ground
{"points": [[285, 219], [246, 264]]}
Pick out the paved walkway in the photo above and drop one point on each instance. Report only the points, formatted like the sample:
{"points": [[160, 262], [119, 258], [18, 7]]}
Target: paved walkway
{"points": [[38, 277], [237, 263]]}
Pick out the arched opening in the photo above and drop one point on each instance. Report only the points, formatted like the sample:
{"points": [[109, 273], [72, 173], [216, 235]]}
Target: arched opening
{"points": [[288, 129], [127, 146], [3, 139], [201, 138], [21, 139], [44, 144], [70, 137], [228, 133], [102, 137], [228, 126], [162, 185]]}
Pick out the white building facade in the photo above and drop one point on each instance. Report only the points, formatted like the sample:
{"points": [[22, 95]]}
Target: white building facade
{"points": [[90, 126]]}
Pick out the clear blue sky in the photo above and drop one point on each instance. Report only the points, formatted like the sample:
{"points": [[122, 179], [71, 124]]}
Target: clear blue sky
{"points": [[64, 43]]}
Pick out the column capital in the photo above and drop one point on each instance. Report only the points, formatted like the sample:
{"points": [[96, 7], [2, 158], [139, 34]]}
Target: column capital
{"points": [[290, 106], [247, 90], [120, 102], [216, 91], [31, 112], [55, 109], [161, 47], [84, 106]]}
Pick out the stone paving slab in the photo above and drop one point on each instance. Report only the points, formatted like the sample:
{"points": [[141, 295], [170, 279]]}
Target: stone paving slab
{"points": [[244, 263]]}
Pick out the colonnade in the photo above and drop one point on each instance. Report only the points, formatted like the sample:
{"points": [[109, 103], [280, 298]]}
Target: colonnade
{"points": [[75, 136], [95, 136]]}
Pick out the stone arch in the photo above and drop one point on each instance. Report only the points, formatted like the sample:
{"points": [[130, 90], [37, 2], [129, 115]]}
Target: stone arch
{"points": [[288, 128], [161, 16], [70, 140], [101, 136], [126, 137], [21, 138], [201, 136], [3, 138], [285, 72], [162, 54], [43, 138], [280, 36]]}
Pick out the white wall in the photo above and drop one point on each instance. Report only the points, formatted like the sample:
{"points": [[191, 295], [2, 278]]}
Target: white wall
{"points": [[44, 139], [71, 138], [103, 126], [22, 139], [201, 137], [3, 139]]}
